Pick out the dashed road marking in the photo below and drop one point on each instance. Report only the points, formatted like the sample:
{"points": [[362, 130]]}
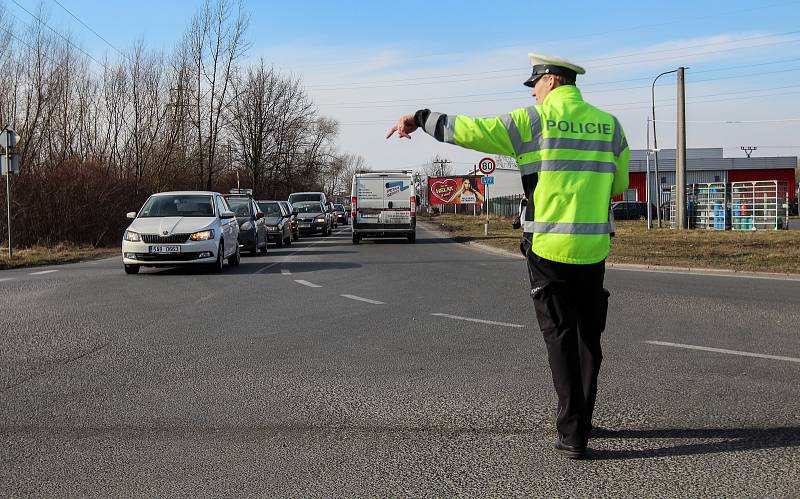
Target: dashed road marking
{"points": [[367, 300], [43, 272], [4, 279], [306, 283], [723, 350], [481, 321], [286, 272]]}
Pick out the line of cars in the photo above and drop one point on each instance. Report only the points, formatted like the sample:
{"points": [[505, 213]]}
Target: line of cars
{"points": [[207, 228]]}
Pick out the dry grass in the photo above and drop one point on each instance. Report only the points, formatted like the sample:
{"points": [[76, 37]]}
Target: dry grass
{"points": [[51, 255], [758, 251]]}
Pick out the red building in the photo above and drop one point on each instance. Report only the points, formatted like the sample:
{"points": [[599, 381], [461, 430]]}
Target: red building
{"points": [[704, 165]]}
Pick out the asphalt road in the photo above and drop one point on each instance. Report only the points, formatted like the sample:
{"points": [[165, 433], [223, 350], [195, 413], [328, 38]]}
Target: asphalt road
{"points": [[332, 370]]}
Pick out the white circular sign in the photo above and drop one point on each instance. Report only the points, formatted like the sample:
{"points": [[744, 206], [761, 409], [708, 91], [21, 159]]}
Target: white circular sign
{"points": [[486, 166]]}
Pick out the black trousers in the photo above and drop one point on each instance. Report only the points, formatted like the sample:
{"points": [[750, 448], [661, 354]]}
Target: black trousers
{"points": [[571, 305]]}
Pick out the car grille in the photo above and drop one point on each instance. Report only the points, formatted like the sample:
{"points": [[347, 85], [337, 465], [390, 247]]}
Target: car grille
{"points": [[173, 239], [177, 257]]}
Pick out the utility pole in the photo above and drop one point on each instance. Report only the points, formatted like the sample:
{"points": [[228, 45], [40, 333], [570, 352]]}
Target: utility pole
{"points": [[655, 142], [680, 158], [748, 150], [9, 164], [442, 164]]}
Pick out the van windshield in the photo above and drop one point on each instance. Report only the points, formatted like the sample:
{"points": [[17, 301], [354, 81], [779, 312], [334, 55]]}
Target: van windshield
{"points": [[299, 198], [309, 208]]}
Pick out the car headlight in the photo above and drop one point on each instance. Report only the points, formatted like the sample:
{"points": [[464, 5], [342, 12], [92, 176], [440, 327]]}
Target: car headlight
{"points": [[246, 226], [321, 220], [132, 236], [203, 235]]}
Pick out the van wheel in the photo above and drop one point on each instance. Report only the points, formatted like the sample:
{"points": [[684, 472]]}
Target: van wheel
{"points": [[356, 239], [131, 269], [412, 238]]}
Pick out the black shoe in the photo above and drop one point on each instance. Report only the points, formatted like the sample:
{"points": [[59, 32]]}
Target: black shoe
{"points": [[569, 451]]}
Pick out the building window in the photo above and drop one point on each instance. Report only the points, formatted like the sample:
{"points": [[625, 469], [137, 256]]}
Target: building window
{"points": [[716, 178], [630, 195], [663, 180]]}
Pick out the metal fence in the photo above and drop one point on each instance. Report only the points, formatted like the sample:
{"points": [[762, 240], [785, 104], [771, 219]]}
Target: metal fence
{"points": [[505, 206]]}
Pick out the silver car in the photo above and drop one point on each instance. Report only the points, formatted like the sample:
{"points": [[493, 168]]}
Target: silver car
{"points": [[181, 228]]}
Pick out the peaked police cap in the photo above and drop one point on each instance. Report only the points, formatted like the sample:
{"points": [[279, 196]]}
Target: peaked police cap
{"points": [[545, 64]]}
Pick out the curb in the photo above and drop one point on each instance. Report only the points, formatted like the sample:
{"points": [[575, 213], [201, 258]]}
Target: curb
{"points": [[632, 266]]}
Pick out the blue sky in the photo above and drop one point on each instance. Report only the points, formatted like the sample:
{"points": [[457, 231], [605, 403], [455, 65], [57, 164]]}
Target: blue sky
{"points": [[365, 63]]}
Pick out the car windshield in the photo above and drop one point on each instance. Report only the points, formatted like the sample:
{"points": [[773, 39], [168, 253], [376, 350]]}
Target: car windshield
{"points": [[338, 207], [240, 206], [270, 209], [178, 205], [298, 198], [308, 208]]}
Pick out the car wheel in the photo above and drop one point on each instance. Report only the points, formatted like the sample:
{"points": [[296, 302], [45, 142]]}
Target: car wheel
{"points": [[131, 269], [412, 237], [235, 259], [216, 267], [356, 239]]}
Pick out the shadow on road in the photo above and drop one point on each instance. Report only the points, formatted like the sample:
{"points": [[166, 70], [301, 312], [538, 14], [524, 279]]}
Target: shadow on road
{"points": [[726, 440]]}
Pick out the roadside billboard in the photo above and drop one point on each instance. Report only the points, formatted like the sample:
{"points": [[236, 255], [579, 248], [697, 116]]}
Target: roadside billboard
{"points": [[465, 189]]}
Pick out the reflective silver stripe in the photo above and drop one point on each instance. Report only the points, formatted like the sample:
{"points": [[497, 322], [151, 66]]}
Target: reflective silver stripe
{"points": [[528, 227], [430, 123], [449, 128], [529, 168], [536, 132], [571, 228], [619, 142], [567, 165], [513, 132], [577, 144]]}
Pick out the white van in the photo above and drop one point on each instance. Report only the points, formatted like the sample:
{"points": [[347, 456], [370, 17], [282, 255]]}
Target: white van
{"points": [[384, 204]]}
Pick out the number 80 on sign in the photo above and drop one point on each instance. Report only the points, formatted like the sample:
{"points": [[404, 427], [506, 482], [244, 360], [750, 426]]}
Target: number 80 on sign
{"points": [[486, 166]]}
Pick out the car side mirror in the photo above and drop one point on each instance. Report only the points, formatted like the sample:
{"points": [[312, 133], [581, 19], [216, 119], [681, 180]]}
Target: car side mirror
{"points": [[131, 215], [227, 215], [259, 215]]}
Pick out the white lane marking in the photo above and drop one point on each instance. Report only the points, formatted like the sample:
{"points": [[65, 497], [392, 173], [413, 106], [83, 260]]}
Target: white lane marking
{"points": [[306, 283], [4, 279], [286, 272], [481, 321], [723, 350], [43, 272], [367, 300]]}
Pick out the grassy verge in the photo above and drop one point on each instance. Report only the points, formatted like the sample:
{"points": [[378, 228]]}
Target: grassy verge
{"points": [[52, 255], [760, 251]]}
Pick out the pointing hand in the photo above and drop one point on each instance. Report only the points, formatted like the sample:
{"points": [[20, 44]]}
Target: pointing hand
{"points": [[404, 126]]}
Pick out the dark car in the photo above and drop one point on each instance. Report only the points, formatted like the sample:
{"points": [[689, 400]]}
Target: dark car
{"points": [[252, 227], [278, 220], [332, 215], [631, 210], [293, 220], [341, 214], [313, 218]]}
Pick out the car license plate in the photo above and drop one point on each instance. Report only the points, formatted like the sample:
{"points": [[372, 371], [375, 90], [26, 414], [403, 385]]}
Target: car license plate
{"points": [[165, 249], [305, 225]]}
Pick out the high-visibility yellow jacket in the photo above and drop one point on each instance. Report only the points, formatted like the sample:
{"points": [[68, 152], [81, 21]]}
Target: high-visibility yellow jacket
{"points": [[572, 157]]}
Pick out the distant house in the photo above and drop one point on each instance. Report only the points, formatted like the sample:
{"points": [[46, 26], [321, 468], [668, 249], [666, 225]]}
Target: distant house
{"points": [[704, 165]]}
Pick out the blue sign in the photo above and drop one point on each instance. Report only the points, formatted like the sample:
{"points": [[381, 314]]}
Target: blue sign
{"points": [[487, 180]]}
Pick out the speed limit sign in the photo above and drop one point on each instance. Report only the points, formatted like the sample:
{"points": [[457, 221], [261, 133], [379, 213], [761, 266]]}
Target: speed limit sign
{"points": [[486, 166]]}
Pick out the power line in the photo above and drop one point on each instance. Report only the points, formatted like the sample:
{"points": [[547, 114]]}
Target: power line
{"points": [[87, 54], [405, 81], [89, 28]]}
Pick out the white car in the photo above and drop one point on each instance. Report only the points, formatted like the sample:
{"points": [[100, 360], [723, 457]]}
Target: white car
{"points": [[181, 228]]}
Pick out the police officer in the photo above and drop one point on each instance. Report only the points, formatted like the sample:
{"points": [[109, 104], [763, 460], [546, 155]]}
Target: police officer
{"points": [[573, 158]]}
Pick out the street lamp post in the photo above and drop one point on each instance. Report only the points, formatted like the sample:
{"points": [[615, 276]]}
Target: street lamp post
{"points": [[655, 142]]}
